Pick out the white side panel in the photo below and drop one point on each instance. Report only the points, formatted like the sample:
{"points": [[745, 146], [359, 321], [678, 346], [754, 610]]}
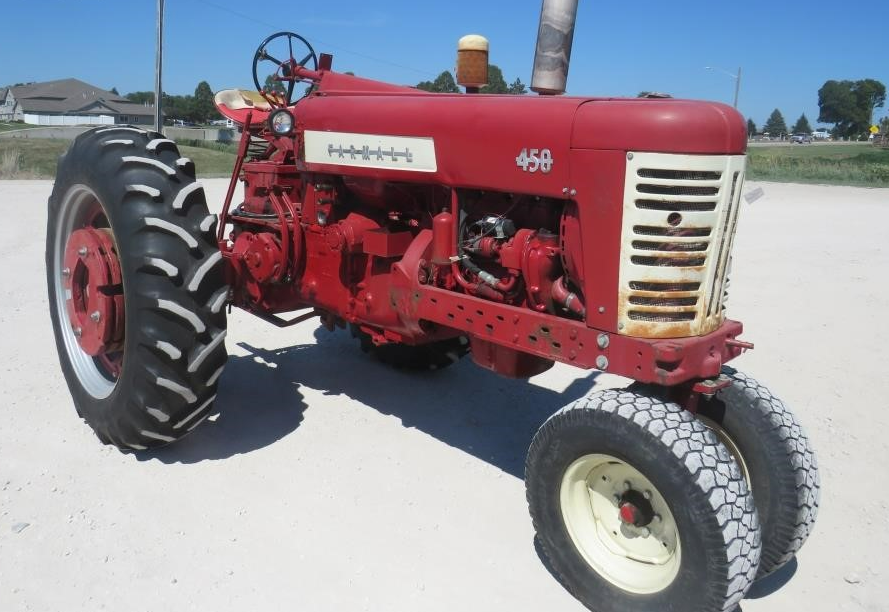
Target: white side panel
{"points": [[371, 151], [679, 219]]}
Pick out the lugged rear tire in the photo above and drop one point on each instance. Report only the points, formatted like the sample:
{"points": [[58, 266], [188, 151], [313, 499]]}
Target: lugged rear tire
{"points": [[615, 446], [162, 382]]}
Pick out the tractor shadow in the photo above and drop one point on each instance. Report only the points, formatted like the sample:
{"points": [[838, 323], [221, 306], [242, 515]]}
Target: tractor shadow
{"points": [[464, 406]]}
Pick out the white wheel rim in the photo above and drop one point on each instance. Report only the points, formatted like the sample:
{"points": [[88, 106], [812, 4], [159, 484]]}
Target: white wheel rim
{"points": [[79, 205], [641, 560]]}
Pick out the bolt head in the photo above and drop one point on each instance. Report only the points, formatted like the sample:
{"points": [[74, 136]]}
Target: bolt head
{"points": [[78, 332], [601, 309], [627, 485], [66, 272], [82, 251], [602, 362], [565, 190], [646, 494], [603, 341], [644, 532], [573, 192], [629, 156], [656, 518], [95, 316]]}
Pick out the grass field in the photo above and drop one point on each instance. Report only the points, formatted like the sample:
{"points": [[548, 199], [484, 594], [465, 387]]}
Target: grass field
{"points": [[8, 127], [36, 159], [836, 164]]}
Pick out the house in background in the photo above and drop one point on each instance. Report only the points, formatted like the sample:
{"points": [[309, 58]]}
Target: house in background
{"points": [[7, 104], [71, 102]]}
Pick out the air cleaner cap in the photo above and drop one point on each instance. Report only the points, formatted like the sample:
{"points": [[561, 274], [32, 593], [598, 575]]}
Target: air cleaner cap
{"points": [[472, 61]]}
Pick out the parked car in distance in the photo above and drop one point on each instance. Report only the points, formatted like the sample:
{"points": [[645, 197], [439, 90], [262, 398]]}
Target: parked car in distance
{"points": [[801, 139], [821, 135]]}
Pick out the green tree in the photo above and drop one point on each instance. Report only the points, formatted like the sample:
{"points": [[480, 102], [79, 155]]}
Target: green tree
{"points": [[275, 86], [849, 105], [114, 91], [496, 82], [884, 125], [443, 83], [775, 126], [517, 88], [204, 108], [141, 97], [871, 94], [802, 125], [751, 128]]}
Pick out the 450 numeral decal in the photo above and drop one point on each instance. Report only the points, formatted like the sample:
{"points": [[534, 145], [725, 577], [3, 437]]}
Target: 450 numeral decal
{"points": [[535, 159]]}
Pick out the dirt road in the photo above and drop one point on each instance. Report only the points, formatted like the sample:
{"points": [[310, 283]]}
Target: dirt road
{"points": [[328, 482]]}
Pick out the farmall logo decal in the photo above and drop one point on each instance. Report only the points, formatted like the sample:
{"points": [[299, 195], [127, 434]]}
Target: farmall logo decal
{"points": [[410, 154], [365, 153]]}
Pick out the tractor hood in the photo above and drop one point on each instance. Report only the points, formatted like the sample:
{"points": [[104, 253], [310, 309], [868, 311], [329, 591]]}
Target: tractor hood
{"points": [[477, 141]]}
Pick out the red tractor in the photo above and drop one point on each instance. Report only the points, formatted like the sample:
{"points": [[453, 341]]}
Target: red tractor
{"points": [[519, 230]]}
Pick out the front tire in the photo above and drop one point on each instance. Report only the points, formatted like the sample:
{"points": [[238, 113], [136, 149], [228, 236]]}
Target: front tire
{"points": [[143, 366], [639, 508], [778, 458]]}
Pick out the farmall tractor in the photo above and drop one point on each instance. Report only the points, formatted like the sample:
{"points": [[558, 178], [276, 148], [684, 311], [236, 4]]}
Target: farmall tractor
{"points": [[518, 230]]}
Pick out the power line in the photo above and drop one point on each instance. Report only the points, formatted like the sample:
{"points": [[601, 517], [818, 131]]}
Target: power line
{"points": [[328, 44]]}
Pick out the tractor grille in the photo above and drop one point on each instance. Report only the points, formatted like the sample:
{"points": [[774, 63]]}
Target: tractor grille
{"points": [[679, 219]]}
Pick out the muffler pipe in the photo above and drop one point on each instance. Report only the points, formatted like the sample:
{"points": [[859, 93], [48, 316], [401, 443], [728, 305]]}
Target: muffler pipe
{"points": [[554, 40]]}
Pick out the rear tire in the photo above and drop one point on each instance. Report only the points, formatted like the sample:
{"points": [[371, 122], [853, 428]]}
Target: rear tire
{"points": [[782, 466], [593, 456], [160, 382]]}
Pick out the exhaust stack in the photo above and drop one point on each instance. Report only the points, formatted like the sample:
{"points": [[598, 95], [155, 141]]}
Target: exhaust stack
{"points": [[554, 39]]}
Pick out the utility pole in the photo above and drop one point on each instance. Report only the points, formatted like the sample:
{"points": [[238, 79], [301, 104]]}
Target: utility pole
{"points": [[737, 85], [737, 78], [158, 65]]}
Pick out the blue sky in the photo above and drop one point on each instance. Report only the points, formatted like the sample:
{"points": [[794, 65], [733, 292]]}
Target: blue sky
{"points": [[786, 49]]}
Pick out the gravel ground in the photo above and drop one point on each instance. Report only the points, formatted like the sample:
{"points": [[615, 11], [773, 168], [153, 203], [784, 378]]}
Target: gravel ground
{"points": [[329, 482]]}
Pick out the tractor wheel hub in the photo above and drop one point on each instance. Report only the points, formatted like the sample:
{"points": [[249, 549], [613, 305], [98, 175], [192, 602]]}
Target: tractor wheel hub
{"points": [[94, 291], [635, 510]]}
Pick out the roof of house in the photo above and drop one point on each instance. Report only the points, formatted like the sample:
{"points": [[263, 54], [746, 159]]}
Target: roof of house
{"points": [[68, 96]]}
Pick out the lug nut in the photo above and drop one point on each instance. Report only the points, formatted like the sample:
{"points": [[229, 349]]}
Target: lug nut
{"points": [[656, 518], [66, 272], [95, 316], [78, 332], [627, 485], [82, 251], [645, 532], [647, 494]]}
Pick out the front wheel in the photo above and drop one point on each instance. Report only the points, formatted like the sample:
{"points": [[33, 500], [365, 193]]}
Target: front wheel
{"points": [[639, 507], [778, 461], [136, 290]]}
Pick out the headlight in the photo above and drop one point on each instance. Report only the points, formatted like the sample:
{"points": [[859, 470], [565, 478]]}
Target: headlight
{"points": [[281, 122]]}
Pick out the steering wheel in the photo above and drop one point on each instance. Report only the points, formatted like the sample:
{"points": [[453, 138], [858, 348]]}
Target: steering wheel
{"points": [[284, 69]]}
